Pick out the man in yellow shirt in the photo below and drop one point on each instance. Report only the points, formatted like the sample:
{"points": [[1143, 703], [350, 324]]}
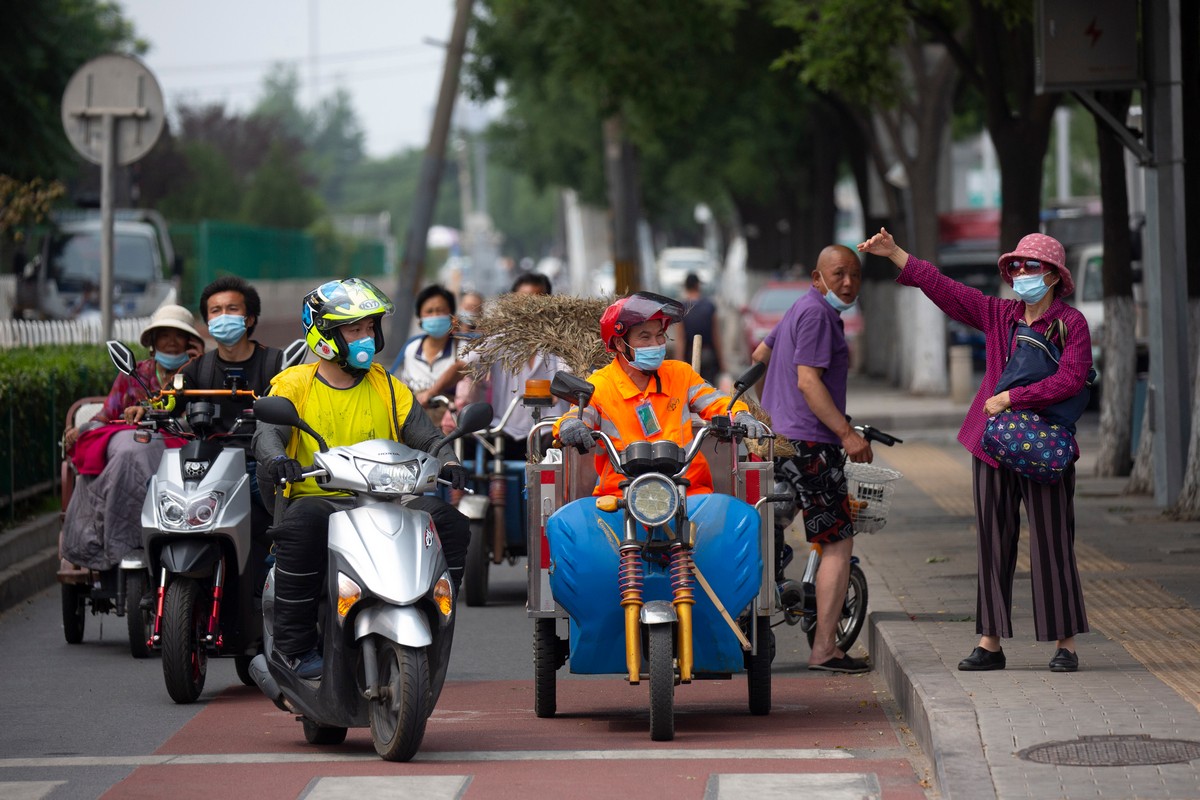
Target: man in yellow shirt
{"points": [[346, 398], [640, 396]]}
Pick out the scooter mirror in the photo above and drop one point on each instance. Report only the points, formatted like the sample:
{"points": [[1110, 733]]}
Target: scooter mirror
{"points": [[475, 417], [566, 386], [122, 357], [280, 411]]}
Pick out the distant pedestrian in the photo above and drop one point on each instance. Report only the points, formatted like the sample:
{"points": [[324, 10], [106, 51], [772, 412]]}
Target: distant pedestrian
{"points": [[700, 318], [1038, 273]]}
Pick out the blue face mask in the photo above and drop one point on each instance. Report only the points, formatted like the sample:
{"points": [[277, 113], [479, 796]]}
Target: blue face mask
{"points": [[171, 362], [361, 353], [227, 329], [648, 359], [436, 327], [1030, 288], [838, 304]]}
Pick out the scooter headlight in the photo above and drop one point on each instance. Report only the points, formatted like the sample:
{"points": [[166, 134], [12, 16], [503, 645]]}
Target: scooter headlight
{"points": [[349, 593], [389, 478], [652, 499], [194, 514]]}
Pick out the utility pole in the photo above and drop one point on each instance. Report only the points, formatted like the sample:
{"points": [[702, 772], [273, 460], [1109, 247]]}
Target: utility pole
{"points": [[412, 268]]}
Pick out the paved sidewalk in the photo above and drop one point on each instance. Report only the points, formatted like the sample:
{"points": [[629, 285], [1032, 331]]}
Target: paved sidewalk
{"points": [[1139, 666]]}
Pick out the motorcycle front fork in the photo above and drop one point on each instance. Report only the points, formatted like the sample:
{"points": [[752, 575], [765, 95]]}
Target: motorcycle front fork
{"points": [[212, 636], [630, 585]]}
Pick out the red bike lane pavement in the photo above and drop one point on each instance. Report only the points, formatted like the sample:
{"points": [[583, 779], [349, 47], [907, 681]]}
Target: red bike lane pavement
{"points": [[822, 738]]}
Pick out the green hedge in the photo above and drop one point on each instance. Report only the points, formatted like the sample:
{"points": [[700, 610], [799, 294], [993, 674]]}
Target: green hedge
{"points": [[37, 387]]}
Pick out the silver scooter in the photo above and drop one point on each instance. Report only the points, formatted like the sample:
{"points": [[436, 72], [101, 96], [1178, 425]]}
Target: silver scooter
{"points": [[387, 617]]}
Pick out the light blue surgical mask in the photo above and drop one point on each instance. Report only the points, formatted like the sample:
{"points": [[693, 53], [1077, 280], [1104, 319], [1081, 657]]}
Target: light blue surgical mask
{"points": [[361, 352], [436, 327], [227, 329], [1030, 288], [648, 359], [171, 361], [468, 318]]}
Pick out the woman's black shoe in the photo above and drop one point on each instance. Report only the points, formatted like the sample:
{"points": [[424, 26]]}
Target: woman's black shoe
{"points": [[981, 660], [1064, 661]]}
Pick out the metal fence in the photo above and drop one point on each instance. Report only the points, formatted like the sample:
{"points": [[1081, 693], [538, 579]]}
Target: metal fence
{"points": [[30, 333]]}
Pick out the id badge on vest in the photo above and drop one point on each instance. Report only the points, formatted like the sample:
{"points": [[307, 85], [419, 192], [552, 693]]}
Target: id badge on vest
{"points": [[647, 419]]}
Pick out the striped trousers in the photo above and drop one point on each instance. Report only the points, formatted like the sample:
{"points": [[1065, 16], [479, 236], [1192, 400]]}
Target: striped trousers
{"points": [[1057, 593]]}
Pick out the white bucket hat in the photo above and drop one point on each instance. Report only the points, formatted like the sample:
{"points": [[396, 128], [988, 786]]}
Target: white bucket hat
{"points": [[170, 316]]}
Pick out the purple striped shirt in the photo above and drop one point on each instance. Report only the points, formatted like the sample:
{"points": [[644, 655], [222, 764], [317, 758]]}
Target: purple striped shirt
{"points": [[997, 318]]}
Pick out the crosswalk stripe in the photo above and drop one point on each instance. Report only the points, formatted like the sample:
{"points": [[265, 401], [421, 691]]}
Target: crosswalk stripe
{"points": [[28, 790], [825, 785], [648, 754], [426, 787]]}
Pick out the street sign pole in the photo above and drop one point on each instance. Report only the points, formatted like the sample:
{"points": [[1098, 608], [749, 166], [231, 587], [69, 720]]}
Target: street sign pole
{"points": [[108, 168]]}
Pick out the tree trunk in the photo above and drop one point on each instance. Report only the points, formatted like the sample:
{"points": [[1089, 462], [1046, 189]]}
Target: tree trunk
{"points": [[1116, 388], [620, 173], [1141, 477], [1188, 503], [1118, 338]]}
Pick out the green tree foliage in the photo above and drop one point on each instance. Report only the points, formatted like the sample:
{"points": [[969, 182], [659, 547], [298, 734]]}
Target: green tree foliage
{"points": [[43, 42], [276, 195]]}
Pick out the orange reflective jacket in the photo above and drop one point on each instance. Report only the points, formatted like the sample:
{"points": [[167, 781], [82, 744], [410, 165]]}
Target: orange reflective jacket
{"points": [[674, 396]]}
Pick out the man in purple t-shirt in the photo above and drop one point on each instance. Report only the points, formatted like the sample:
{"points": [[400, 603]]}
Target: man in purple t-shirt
{"points": [[808, 363]]}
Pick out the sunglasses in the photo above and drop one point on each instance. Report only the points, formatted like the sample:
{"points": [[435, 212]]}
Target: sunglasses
{"points": [[1027, 265]]}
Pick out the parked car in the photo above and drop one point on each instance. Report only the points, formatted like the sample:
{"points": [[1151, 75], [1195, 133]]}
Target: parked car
{"points": [[674, 264], [771, 302]]}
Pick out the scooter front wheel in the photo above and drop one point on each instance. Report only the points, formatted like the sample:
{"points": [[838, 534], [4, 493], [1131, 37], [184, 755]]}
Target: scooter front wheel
{"points": [[661, 655], [479, 562], [184, 658], [138, 620], [404, 701]]}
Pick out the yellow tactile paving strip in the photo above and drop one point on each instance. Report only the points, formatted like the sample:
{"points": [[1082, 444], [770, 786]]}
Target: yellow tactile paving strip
{"points": [[944, 480]]}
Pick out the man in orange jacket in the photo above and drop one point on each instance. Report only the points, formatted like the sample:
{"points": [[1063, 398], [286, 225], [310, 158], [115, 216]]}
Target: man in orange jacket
{"points": [[641, 396]]}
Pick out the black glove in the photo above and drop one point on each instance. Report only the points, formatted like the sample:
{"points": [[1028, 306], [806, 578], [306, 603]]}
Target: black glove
{"points": [[456, 475], [282, 468], [574, 432]]}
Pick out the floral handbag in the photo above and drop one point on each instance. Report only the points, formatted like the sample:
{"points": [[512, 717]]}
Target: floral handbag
{"points": [[1029, 445]]}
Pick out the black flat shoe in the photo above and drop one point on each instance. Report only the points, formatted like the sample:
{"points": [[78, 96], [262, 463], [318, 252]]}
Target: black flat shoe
{"points": [[1064, 661], [982, 660]]}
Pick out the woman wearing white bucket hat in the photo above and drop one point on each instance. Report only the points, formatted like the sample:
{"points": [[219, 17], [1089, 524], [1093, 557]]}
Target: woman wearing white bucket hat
{"points": [[101, 523]]}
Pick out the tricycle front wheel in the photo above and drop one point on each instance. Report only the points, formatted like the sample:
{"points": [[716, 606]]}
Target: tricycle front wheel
{"points": [[545, 665], [662, 682]]}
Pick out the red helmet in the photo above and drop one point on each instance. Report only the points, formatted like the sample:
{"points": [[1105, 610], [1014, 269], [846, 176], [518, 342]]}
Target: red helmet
{"points": [[639, 307]]}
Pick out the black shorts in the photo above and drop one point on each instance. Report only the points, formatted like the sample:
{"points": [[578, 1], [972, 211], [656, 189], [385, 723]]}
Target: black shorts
{"points": [[817, 477]]}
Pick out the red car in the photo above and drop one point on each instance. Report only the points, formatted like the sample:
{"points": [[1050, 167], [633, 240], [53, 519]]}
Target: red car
{"points": [[772, 301]]}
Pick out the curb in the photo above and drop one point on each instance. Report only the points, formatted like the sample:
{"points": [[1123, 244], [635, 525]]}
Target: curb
{"points": [[935, 707], [35, 572]]}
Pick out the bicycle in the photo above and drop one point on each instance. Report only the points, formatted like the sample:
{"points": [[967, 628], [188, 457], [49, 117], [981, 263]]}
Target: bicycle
{"points": [[871, 488]]}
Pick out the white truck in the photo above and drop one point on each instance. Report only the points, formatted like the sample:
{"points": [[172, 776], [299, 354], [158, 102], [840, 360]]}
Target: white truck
{"points": [[62, 281]]}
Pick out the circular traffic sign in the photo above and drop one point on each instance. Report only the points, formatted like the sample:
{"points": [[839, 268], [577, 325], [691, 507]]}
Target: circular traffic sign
{"points": [[114, 85]]}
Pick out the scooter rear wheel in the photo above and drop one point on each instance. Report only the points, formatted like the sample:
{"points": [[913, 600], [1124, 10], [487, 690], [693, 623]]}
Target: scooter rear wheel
{"points": [[322, 734], [399, 714], [184, 658], [137, 620], [74, 612], [854, 611], [662, 682], [479, 562]]}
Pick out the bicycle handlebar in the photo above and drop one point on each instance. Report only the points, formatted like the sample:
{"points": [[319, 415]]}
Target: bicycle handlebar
{"points": [[876, 435]]}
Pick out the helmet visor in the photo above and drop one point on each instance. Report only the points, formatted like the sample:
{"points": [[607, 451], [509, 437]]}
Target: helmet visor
{"points": [[645, 306]]}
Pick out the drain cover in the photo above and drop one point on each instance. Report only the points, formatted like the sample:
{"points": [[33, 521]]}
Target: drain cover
{"points": [[1113, 751]]}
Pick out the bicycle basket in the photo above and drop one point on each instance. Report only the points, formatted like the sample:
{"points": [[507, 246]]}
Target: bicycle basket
{"points": [[871, 489]]}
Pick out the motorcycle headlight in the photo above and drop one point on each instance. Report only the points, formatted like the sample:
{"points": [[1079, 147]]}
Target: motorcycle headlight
{"points": [[194, 514], [389, 478], [349, 593], [652, 499]]}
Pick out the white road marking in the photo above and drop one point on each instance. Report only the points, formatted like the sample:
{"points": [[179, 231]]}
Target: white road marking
{"points": [[446, 787], [28, 790], [825, 785], [646, 754]]}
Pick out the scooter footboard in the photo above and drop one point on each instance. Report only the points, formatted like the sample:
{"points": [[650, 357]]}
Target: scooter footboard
{"points": [[584, 543]]}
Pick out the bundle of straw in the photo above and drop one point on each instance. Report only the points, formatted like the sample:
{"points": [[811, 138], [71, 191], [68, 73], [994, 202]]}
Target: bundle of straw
{"points": [[515, 327]]}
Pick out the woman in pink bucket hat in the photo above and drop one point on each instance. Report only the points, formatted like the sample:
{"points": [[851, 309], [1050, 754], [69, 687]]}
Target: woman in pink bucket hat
{"points": [[1037, 272]]}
